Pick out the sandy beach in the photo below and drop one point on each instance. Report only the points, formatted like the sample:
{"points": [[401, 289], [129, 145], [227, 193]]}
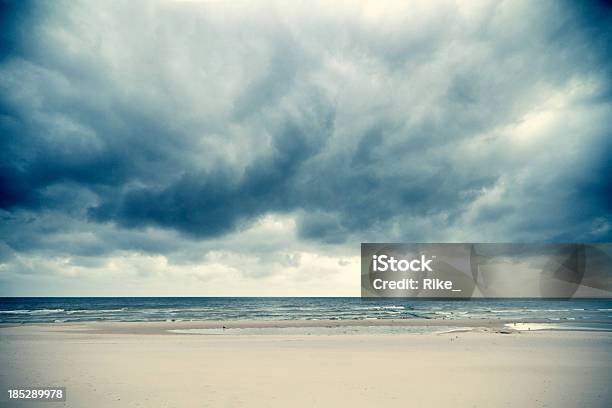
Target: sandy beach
{"points": [[145, 365]]}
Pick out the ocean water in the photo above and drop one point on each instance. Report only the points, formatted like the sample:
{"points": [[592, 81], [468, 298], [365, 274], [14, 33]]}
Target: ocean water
{"points": [[38, 310]]}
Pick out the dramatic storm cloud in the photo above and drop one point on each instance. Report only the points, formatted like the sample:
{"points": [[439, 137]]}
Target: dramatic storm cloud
{"points": [[249, 147]]}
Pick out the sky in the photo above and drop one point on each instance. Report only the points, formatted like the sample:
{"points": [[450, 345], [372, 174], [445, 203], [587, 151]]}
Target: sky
{"points": [[247, 148]]}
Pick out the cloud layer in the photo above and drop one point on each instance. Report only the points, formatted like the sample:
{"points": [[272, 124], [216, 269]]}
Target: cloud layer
{"points": [[171, 130]]}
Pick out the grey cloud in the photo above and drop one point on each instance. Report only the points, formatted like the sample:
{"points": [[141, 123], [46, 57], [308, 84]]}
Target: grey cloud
{"points": [[202, 118]]}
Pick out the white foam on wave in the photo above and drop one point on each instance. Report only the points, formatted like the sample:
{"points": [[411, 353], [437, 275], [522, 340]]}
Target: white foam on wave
{"points": [[557, 326], [32, 312], [96, 311]]}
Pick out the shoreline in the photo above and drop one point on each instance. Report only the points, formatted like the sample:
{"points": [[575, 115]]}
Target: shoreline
{"points": [[167, 327]]}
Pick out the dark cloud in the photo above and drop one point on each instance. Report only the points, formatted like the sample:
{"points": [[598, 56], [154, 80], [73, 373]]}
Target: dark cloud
{"points": [[485, 124]]}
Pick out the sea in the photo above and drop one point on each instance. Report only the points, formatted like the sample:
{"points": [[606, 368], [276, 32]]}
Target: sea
{"points": [[142, 309]]}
